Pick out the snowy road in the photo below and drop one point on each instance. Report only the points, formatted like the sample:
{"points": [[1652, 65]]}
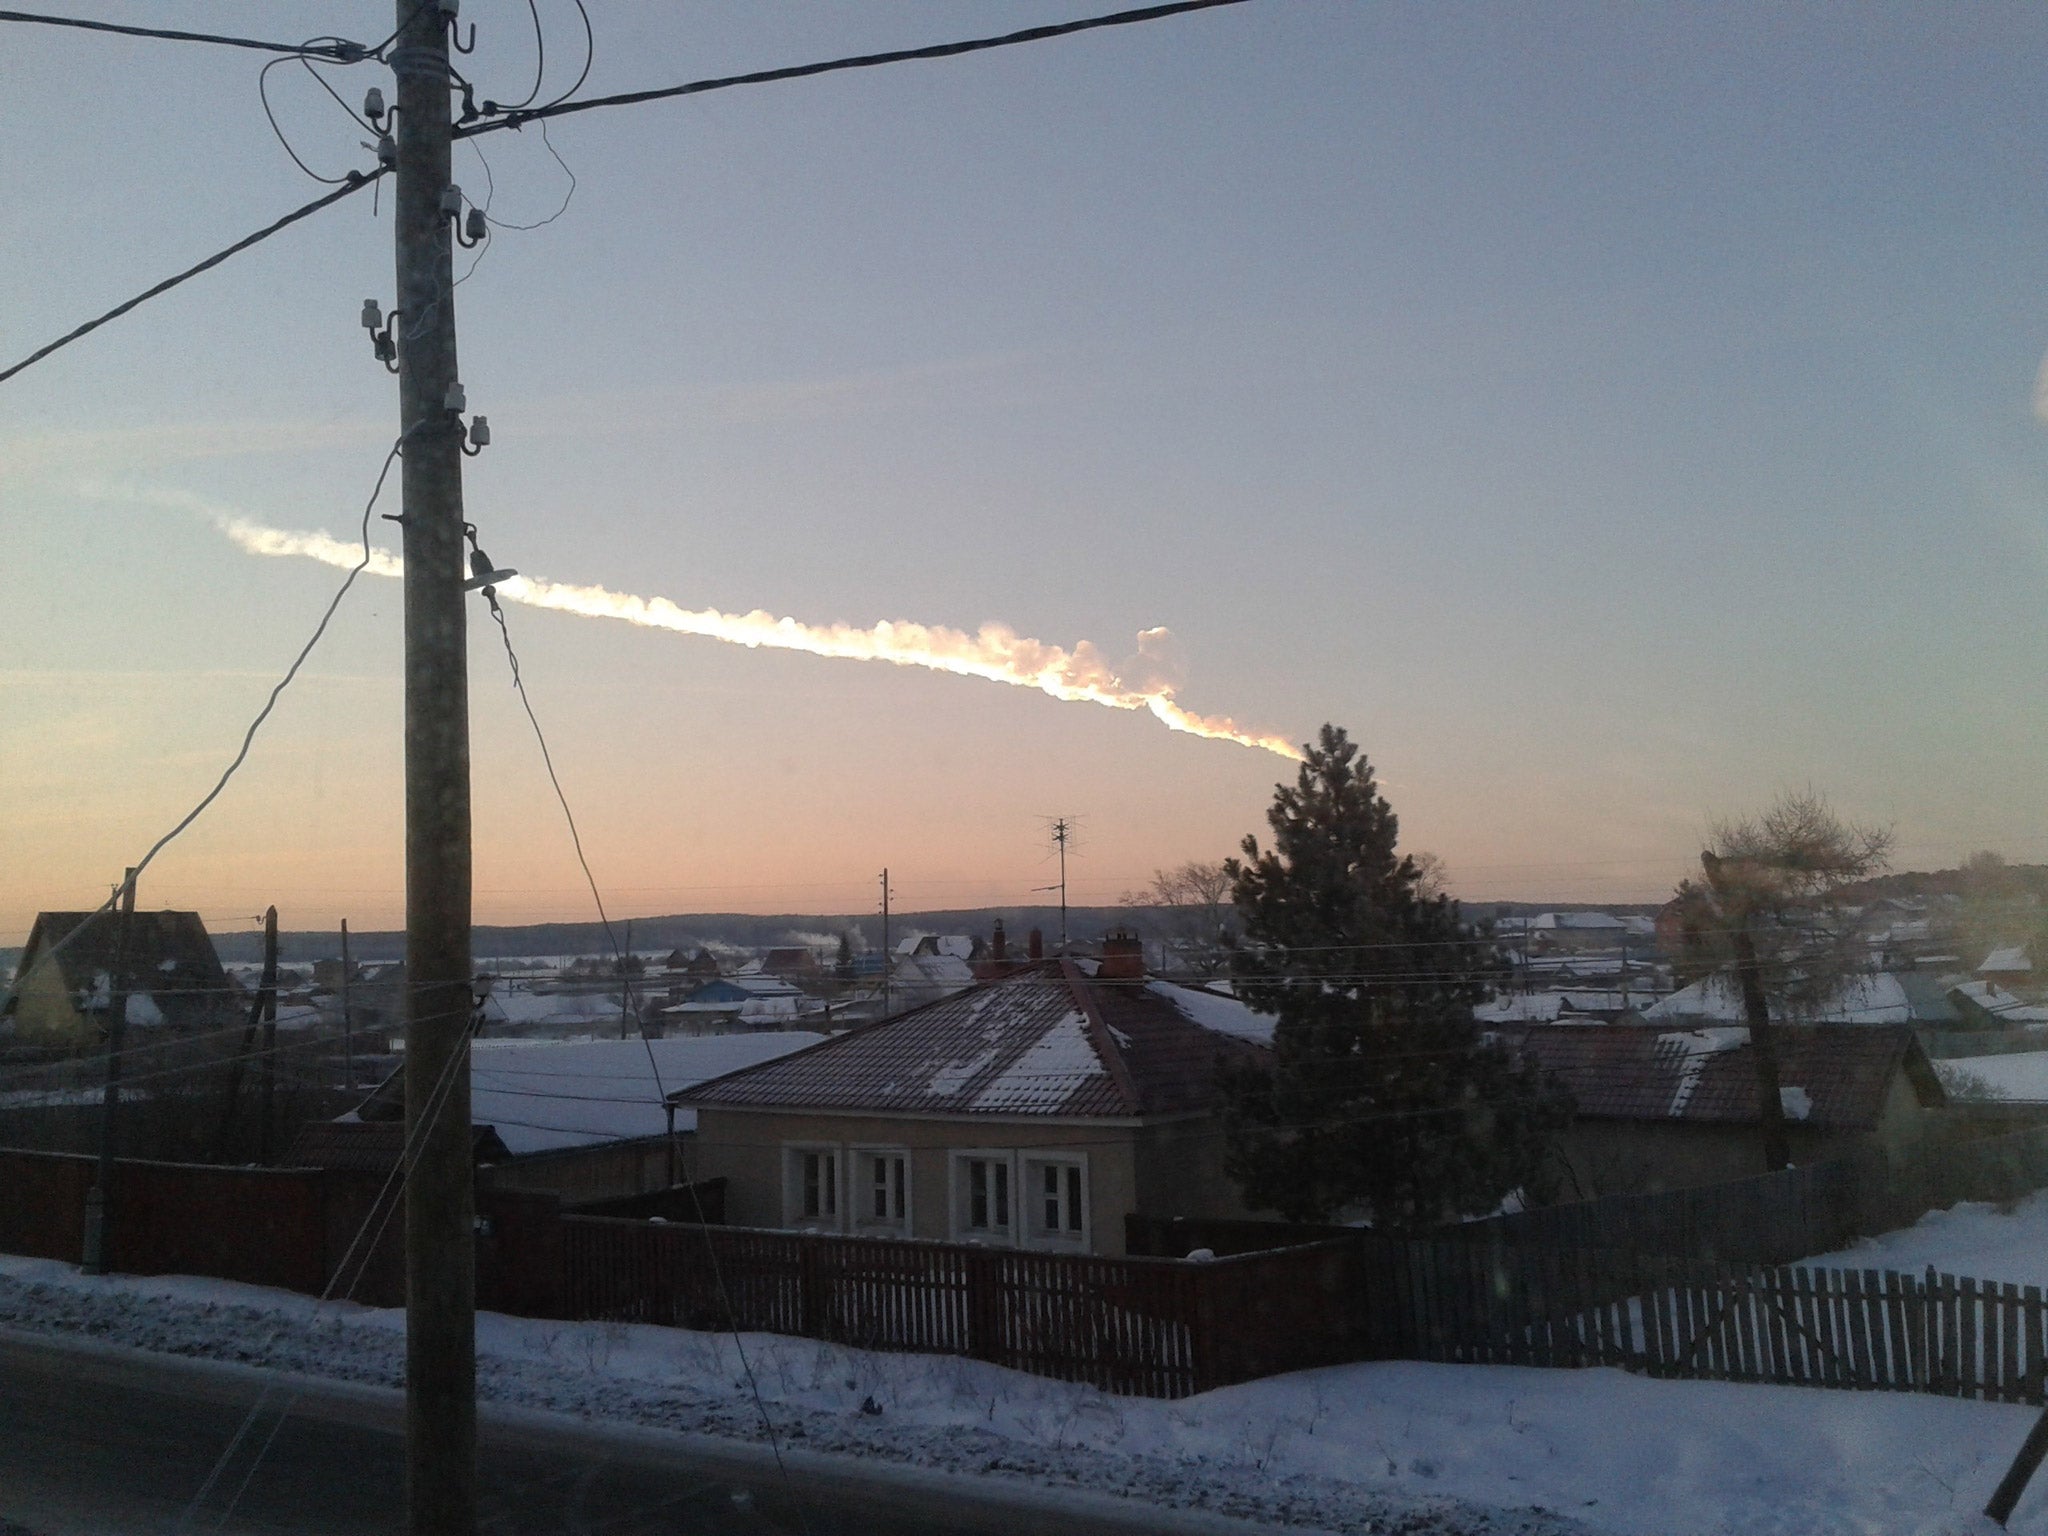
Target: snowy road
{"points": [[105, 1439]]}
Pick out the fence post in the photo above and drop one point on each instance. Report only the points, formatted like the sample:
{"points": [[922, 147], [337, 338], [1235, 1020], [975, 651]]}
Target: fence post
{"points": [[812, 1310], [984, 1306], [1201, 1316]]}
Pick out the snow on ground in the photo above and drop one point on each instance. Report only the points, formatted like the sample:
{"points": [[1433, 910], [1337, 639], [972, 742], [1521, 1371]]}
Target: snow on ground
{"points": [[1985, 1242], [1394, 1447]]}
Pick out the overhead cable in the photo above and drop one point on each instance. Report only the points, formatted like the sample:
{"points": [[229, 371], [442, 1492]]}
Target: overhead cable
{"points": [[856, 61], [357, 180], [248, 738], [338, 49]]}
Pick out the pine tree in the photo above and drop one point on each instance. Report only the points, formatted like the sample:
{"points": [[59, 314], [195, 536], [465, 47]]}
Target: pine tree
{"points": [[1382, 1097]]}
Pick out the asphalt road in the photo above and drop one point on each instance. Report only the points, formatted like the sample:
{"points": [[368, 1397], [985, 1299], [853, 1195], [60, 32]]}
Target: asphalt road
{"points": [[95, 1439]]}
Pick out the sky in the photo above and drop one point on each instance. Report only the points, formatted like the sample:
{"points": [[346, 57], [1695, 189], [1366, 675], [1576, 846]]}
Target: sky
{"points": [[1612, 416]]}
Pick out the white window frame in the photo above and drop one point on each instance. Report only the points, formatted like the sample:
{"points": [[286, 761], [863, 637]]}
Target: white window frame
{"points": [[1071, 1238], [861, 1188], [793, 1181], [959, 1195]]}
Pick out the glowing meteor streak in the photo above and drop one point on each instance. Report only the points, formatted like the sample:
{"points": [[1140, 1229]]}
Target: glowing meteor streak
{"points": [[994, 651]]}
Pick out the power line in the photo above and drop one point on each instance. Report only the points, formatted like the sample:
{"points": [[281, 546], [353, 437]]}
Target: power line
{"points": [[856, 61], [356, 181], [248, 736], [717, 1272], [340, 50]]}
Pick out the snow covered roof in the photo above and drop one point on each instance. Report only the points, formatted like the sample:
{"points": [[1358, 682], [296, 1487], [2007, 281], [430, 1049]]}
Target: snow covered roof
{"points": [[504, 1006], [2018, 1075], [1046, 1040], [1877, 998], [1708, 1075], [942, 970], [1217, 1011], [1520, 1008], [541, 1095], [2011, 961], [2000, 1004], [1581, 922]]}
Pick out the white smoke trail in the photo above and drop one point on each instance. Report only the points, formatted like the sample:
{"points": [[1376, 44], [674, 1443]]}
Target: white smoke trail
{"points": [[994, 651]]}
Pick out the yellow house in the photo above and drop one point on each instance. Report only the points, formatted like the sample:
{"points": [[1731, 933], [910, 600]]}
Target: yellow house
{"points": [[1035, 1111]]}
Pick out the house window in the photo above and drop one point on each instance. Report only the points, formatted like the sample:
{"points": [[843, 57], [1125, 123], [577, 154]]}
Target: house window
{"points": [[1057, 1201], [981, 1196], [810, 1193], [881, 1191]]}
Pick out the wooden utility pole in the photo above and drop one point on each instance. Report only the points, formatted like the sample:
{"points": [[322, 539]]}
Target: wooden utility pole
{"points": [[440, 1274], [1061, 832], [888, 958], [99, 1199], [348, 1022], [626, 983], [267, 1101]]}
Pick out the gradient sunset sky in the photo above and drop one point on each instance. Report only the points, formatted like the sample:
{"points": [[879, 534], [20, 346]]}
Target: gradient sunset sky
{"points": [[1613, 415]]}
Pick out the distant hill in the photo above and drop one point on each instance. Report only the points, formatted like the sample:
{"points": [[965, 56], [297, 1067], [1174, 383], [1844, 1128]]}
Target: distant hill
{"points": [[748, 930], [2026, 879]]}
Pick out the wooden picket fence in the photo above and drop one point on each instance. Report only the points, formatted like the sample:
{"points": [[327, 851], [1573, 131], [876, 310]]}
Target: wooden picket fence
{"points": [[1126, 1325], [1869, 1330]]}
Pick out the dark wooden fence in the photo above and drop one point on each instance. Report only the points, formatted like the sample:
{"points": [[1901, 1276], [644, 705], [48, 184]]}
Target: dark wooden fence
{"points": [[1127, 1325], [265, 1226], [1669, 1284], [1768, 1219], [1871, 1330]]}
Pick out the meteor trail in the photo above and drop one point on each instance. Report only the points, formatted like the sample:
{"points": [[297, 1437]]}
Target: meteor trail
{"points": [[995, 651]]}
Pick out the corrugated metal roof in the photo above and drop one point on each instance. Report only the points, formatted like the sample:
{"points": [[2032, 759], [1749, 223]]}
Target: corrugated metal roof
{"points": [[1708, 1076], [1044, 1041]]}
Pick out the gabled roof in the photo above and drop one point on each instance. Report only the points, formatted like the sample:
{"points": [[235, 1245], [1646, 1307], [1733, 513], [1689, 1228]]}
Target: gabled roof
{"points": [[1708, 1076], [1876, 998], [167, 963], [1044, 1041]]}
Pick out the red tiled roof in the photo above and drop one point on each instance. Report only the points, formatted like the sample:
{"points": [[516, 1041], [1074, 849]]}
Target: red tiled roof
{"points": [[1708, 1076], [1044, 1041]]}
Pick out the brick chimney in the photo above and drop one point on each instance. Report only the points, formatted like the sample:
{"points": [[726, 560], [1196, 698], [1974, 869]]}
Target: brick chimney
{"points": [[997, 943], [1123, 956], [1035, 945]]}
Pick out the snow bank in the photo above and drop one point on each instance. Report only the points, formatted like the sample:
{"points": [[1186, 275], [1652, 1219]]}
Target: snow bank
{"points": [[1973, 1239], [1458, 1450]]}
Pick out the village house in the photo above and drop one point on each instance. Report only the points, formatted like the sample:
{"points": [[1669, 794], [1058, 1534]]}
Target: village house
{"points": [[701, 966], [1036, 1111], [2010, 968], [165, 963], [745, 1002], [1874, 997], [1670, 1108], [1572, 931]]}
